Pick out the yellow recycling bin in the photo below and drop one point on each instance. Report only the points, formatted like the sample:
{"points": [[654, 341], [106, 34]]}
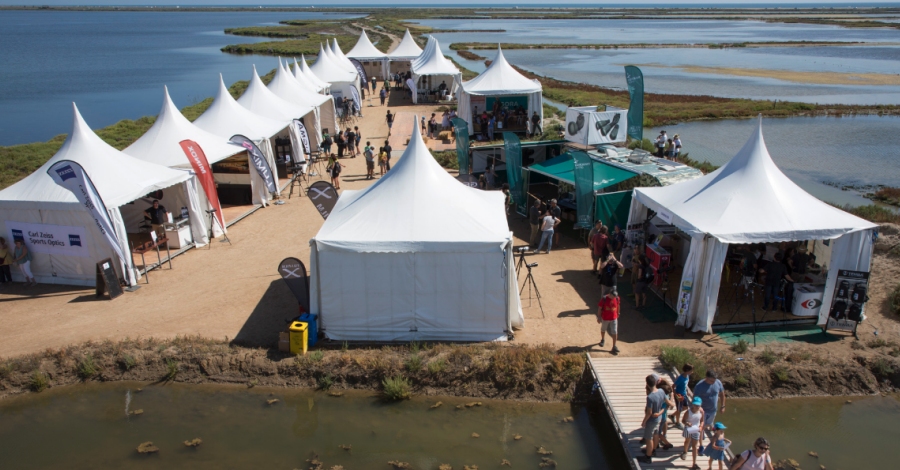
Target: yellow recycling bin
{"points": [[299, 332]]}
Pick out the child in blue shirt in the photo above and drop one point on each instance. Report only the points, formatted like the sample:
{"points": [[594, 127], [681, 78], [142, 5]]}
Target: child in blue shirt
{"points": [[681, 383]]}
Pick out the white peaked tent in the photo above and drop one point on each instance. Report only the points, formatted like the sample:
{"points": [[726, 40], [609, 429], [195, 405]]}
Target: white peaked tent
{"points": [[304, 80], [321, 85], [160, 145], [288, 88], [119, 179], [407, 50], [328, 70], [339, 55], [415, 256], [436, 68], [498, 80], [365, 51], [749, 200], [225, 118]]}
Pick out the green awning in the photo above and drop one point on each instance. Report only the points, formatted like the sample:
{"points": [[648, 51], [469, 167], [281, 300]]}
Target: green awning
{"points": [[563, 168]]}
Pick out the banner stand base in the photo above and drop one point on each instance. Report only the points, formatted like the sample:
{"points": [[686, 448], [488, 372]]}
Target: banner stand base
{"points": [[132, 288]]}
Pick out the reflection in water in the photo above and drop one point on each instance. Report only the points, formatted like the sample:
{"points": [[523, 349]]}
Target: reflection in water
{"points": [[85, 427], [856, 435]]}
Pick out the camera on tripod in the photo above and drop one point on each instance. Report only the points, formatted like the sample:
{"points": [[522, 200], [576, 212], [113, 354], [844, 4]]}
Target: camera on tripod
{"points": [[210, 211], [532, 265], [523, 249]]}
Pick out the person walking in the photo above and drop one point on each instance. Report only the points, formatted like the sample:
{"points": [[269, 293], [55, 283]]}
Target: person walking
{"points": [[776, 272], [432, 126], [389, 119], [341, 144], [445, 121], [711, 390], [535, 124], [334, 169], [556, 211], [534, 219], [644, 278], [652, 416], [358, 138], [548, 222], [374, 83], [369, 153], [677, 142], [327, 142], [351, 143], [6, 261], [692, 422], [681, 383], [669, 404], [383, 95], [22, 258], [387, 150], [594, 231], [716, 448], [599, 243], [382, 160], [757, 458], [490, 127], [608, 318], [609, 272]]}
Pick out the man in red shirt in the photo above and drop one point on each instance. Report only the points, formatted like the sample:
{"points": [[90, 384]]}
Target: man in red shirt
{"points": [[599, 241], [608, 318]]}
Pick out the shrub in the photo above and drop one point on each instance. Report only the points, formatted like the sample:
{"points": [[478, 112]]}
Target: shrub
{"points": [[317, 356], [171, 369], [39, 381], [676, 357], [325, 382], [396, 388], [782, 374], [768, 357], [895, 299], [345, 346], [741, 381], [857, 345], [414, 347], [740, 347], [414, 363], [128, 361], [882, 367], [437, 366], [86, 367], [877, 343], [6, 370]]}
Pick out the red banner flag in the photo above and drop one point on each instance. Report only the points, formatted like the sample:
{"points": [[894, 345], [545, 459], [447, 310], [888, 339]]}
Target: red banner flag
{"points": [[204, 173]]}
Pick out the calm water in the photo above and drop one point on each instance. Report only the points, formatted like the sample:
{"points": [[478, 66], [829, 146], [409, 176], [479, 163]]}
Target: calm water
{"points": [[662, 67], [86, 427], [810, 150], [857, 435], [114, 64]]}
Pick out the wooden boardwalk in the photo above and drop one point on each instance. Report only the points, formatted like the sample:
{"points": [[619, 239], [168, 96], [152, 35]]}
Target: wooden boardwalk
{"points": [[621, 382]]}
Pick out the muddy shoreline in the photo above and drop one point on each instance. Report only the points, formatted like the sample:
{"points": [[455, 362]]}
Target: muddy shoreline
{"points": [[514, 372]]}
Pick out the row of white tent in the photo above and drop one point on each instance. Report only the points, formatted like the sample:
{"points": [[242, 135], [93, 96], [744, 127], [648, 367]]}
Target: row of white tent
{"points": [[155, 167]]}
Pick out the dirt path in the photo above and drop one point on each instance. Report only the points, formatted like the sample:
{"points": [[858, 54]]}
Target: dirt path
{"points": [[394, 39]]}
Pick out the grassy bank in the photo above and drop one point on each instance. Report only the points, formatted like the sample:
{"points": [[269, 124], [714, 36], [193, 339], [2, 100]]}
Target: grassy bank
{"points": [[303, 37], [463, 46], [485, 370]]}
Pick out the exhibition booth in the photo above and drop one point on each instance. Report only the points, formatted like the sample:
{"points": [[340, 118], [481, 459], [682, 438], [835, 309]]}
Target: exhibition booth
{"points": [[435, 76], [374, 62], [63, 236], [302, 70], [416, 256], [404, 54], [748, 209], [323, 117], [344, 79], [504, 93]]}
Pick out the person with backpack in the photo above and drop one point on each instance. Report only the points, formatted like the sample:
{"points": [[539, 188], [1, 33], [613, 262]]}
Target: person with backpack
{"points": [[644, 278], [757, 458], [609, 269], [334, 170], [351, 143], [327, 142], [370, 161]]}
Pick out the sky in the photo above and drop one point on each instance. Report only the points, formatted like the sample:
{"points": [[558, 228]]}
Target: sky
{"points": [[333, 3]]}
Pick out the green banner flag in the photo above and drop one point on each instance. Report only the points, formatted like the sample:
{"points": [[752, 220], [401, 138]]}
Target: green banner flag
{"points": [[513, 148], [584, 188], [635, 80], [461, 128]]}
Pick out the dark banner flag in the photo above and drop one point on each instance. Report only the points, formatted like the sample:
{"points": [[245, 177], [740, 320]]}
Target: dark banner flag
{"points": [[635, 80], [294, 274], [304, 136], [513, 148], [363, 79], [323, 195], [356, 99], [461, 128], [258, 161], [584, 189], [204, 173], [468, 179]]}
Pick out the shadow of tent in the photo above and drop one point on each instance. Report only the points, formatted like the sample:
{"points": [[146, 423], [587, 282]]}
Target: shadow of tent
{"points": [[270, 316], [16, 291]]}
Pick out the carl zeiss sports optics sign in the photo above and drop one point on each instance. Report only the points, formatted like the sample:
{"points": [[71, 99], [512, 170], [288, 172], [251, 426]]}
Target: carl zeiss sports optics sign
{"points": [[51, 239]]}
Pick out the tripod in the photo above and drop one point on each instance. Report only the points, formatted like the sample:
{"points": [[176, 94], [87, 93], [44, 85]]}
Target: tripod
{"points": [[315, 166], [749, 293], [297, 179], [522, 262], [214, 220], [529, 281]]}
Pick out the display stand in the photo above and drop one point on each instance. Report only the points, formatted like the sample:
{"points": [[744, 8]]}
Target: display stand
{"points": [[847, 310], [107, 280]]}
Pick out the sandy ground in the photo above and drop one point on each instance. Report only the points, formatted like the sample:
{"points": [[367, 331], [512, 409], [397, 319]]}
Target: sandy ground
{"points": [[233, 291]]}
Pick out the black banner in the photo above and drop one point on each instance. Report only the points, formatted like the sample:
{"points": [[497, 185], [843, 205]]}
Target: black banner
{"points": [[363, 79], [304, 136], [354, 93], [323, 195], [257, 159], [468, 179], [294, 274]]}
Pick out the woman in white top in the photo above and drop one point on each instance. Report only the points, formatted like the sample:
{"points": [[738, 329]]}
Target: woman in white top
{"points": [[756, 459], [693, 435]]}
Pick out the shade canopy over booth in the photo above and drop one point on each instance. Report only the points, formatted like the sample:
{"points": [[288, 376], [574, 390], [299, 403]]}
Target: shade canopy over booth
{"points": [[498, 80], [302, 69], [427, 258], [749, 200], [119, 179], [562, 168], [432, 64], [288, 88], [364, 50], [406, 50]]}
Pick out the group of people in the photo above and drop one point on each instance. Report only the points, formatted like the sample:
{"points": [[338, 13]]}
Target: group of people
{"points": [[488, 121], [544, 218], [776, 269], [18, 256], [430, 127], [668, 148], [695, 415], [346, 141]]}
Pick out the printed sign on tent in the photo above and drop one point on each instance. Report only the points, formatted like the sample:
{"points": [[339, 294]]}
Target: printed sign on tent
{"points": [[72, 176], [204, 174], [294, 274], [851, 292], [587, 126], [51, 239], [323, 195], [257, 159]]}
